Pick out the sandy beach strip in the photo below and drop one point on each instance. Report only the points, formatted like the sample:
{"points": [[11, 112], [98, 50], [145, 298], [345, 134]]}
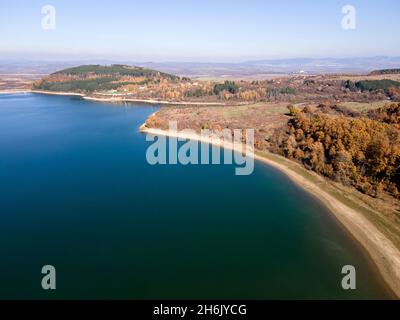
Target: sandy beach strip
{"points": [[124, 99], [16, 91], [381, 250], [55, 93], [152, 101]]}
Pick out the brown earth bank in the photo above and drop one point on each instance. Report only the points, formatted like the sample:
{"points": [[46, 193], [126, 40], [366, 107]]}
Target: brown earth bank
{"points": [[11, 83], [373, 221]]}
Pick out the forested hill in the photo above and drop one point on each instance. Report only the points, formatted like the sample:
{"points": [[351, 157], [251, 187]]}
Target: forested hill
{"points": [[90, 78], [116, 70]]}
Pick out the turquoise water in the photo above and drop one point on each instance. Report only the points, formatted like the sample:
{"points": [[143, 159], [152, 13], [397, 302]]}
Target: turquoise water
{"points": [[76, 192]]}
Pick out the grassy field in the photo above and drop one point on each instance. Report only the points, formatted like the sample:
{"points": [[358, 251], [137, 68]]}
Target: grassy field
{"points": [[363, 106]]}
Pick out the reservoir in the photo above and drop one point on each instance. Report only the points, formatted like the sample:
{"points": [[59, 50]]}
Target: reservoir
{"points": [[76, 192]]}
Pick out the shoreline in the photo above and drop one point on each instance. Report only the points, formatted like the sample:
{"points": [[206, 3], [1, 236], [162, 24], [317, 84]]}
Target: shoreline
{"points": [[14, 91], [381, 251], [123, 99], [55, 93]]}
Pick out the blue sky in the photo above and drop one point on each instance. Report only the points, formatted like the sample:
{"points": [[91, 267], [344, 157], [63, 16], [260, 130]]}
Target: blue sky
{"points": [[198, 30]]}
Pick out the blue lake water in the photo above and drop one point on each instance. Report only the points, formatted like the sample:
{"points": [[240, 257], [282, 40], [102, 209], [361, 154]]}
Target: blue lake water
{"points": [[76, 192]]}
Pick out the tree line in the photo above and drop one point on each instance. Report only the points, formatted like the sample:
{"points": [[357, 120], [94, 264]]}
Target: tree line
{"points": [[360, 151]]}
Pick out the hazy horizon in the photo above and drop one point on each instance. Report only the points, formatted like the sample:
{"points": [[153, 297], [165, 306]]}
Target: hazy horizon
{"points": [[111, 60]]}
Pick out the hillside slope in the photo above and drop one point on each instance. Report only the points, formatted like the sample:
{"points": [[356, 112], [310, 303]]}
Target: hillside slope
{"points": [[92, 78]]}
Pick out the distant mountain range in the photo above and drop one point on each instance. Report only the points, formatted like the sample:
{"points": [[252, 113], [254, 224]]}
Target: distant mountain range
{"points": [[283, 66], [247, 69], [331, 64]]}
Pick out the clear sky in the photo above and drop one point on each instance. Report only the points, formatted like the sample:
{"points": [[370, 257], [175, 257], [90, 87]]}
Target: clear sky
{"points": [[198, 30]]}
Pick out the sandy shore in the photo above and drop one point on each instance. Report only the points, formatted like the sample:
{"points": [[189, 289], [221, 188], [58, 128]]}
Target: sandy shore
{"points": [[54, 93], [14, 91], [153, 101], [382, 251], [124, 99]]}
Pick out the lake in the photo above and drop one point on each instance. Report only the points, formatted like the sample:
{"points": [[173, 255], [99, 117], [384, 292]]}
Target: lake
{"points": [[76, 192]]}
